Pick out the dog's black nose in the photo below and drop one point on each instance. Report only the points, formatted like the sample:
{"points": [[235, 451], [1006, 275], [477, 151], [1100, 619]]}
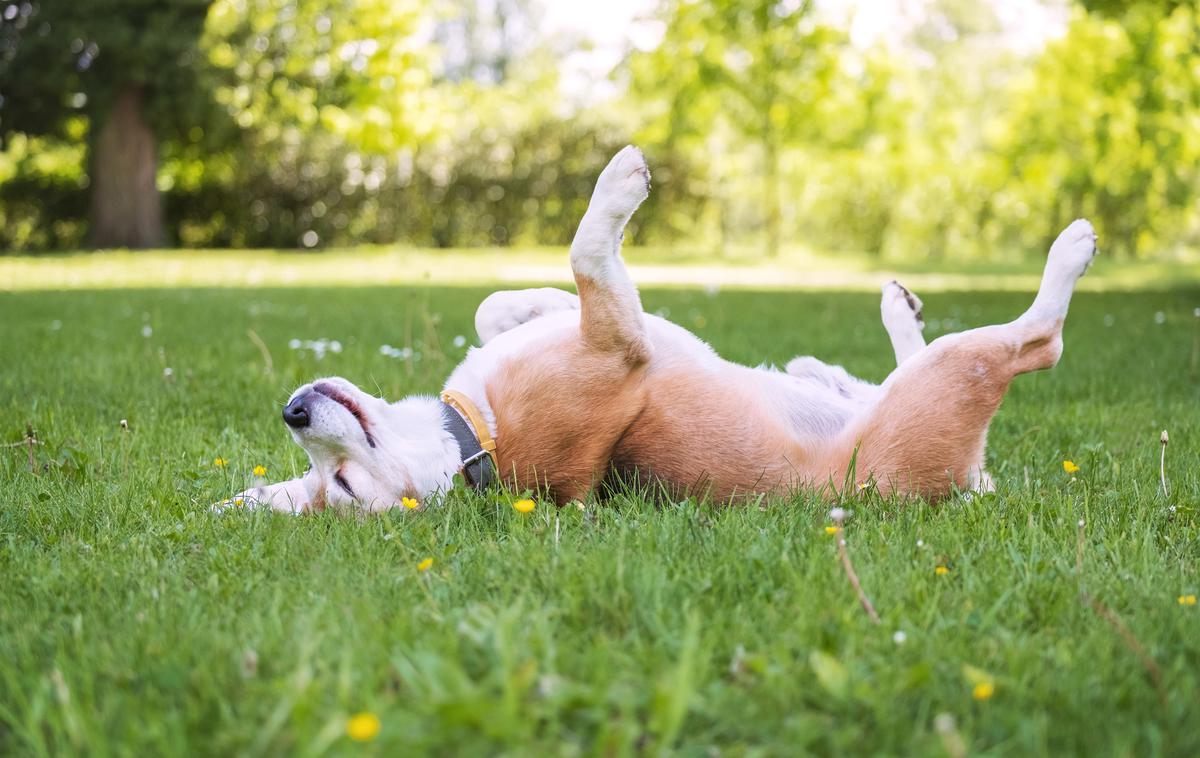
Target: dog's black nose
{"points": [[295, 414]]}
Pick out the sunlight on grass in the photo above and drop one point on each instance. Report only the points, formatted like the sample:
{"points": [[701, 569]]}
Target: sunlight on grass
{"points": [[794, 270]]}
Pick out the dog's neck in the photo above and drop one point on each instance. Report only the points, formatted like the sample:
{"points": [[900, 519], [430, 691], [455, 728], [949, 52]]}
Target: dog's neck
{"points": [[430, 452]]}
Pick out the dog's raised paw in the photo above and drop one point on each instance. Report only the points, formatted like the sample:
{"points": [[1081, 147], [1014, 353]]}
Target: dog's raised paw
{"points": [[900, 306], [1074, 249], [623, 184]]}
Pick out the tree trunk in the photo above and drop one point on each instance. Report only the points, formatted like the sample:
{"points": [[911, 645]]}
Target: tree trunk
{"points": [[126, 210]]}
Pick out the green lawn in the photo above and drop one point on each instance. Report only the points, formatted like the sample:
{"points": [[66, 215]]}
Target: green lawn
{"points": [[134, 621]]}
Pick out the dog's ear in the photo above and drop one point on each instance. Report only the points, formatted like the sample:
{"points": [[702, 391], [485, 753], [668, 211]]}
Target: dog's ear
{"points": [[295, 496]]}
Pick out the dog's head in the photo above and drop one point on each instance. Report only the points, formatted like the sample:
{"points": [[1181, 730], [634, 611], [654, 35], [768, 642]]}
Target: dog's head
{"points": [[362, 448]]}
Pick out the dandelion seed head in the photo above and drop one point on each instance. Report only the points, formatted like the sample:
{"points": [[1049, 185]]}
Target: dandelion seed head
{"points": [[838, 515]]}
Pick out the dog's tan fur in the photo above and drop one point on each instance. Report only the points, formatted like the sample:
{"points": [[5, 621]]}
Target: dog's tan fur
{"points": [[578, 390]]}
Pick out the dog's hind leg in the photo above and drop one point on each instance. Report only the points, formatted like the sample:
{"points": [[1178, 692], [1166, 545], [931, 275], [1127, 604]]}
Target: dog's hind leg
{"points": [[611, 318], [902, 318], [928, 430], [502, 311], [901, 311]]}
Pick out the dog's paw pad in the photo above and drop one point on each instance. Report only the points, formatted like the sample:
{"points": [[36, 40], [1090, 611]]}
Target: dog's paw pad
{"points": [[900, 306]]}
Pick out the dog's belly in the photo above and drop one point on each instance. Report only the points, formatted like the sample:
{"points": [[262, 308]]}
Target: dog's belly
{"points": [[726, 433], [566, 416]]}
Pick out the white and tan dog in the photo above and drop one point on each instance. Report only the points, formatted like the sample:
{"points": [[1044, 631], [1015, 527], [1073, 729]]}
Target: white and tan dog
{"points": [[568, 390]]}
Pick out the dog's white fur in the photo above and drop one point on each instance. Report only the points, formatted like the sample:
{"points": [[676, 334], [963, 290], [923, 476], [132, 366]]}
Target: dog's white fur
{"points": [[542, 346]]}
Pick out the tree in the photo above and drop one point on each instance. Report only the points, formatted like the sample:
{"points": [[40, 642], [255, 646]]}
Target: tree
{"points": [[763, 67], [127, 67], [1105, 127]]}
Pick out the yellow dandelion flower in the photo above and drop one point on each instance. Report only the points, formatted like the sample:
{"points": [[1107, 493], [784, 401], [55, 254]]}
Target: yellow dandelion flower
{"points": [[239, 502], [983, 691], [260, 470], [941, 571], [1070, 467], [1187, 599], [220, 462], [425, 565], [524, 506], [363, 727], [409, 502], [831, 530]]}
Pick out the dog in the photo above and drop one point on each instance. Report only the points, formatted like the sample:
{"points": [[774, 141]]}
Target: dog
{"points": [[569, 392]]}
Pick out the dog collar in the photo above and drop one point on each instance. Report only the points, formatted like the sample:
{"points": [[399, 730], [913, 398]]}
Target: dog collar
{"points": [[475, 443]]}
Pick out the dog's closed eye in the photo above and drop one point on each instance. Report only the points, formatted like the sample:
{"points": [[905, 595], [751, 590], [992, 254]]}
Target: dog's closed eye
{"points": [[340, 481]]}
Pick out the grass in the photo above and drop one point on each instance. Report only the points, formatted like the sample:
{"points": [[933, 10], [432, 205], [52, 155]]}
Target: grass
{"points": [[134, 621], [795, 269]]}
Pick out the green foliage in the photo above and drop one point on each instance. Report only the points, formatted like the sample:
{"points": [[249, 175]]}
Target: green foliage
{"points": [[1111, 111], [335, 122], [63, 59], [135, 621]]}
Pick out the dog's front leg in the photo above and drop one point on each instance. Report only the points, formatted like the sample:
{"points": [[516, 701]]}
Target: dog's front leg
{"points": [[295, 496], [611, 311], [502, 311]]}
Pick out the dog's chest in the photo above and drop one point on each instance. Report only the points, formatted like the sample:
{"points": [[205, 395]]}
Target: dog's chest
{"points": [[482, 366]]}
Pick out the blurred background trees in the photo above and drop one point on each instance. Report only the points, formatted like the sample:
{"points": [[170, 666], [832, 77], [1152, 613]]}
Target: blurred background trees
{"points": [[953, 129]]}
